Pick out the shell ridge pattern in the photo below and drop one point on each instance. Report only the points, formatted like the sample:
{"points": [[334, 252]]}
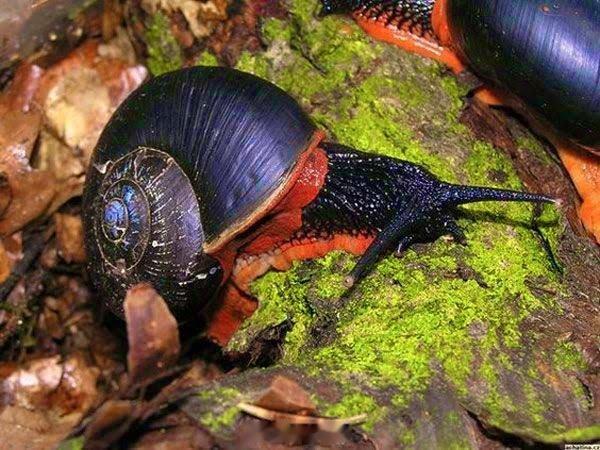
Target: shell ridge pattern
{"points": [[234, 135], [547, 53]]}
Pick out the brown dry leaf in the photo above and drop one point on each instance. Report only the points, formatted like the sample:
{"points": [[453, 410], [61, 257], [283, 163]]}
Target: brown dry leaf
{"points": [[32, 192], [287, 396], [79, 94], [202, 17], [152, 334], [109, 423], [76, 97], [119, 47], [67, 387], [5, 193], [44, 399], [11, 252], [21, 429], [26, 193], [116, 417], [199, 374], [5, 264], [69, 237], [112, 15], [65, 165]]}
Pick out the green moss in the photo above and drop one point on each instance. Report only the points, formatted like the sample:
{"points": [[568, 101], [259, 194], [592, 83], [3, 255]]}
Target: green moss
{"points": [[276, 30], [206, 58], [336, 49], [582, 434], [536, 406], [285, 299], [164, 54], [221, 408], [567, 357], [251, 64], [354, 404], [365, 119], [72, 444], [216, 422], [456, 94]]}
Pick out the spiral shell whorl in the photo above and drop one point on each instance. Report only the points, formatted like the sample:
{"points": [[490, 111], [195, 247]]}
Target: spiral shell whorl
{"points": [[187, 161], [146, 227]]}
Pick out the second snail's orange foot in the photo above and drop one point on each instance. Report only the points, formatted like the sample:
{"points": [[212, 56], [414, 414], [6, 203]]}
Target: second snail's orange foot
{"points": [[589, 213], [410, 35], [584, 170]]}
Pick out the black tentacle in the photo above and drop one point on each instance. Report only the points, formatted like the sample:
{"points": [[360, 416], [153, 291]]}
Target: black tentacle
{"points": [[454, 194], [396, 230]]}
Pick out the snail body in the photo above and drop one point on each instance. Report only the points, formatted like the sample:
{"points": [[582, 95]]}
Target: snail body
{"points": [[540, 58], [205, 178]]}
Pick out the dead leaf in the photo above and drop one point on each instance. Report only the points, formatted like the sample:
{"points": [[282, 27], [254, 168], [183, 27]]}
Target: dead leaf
{"points": [[67, 387], [21, 119], [109, 423], [287, 396], [202, 17], [11, 252], [152, 334], [79, 95], [21, 429], [25, 192], [76, 97], [5, 193], [69, 237], [32, 192], [66, 166], [112, 15], [5, 264], [119, 47], [43, 400], [199, 374]]}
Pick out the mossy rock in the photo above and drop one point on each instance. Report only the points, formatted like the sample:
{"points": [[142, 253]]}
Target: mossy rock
{"points": [[446, 333]]}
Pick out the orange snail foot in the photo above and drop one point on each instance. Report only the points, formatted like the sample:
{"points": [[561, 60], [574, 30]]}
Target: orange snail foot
{"points": [[589, 213], [428, 47], [234, 307], [584, 169]]}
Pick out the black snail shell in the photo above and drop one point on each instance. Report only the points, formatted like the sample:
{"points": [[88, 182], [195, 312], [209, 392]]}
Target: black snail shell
{"points": [[183, 164], [547, 53]]}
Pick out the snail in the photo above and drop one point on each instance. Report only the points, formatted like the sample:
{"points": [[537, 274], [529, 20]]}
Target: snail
{"points": [[540, 58], [205, 178]]}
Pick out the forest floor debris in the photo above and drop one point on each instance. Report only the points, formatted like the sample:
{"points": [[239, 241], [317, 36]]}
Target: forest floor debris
{"points": [[70, 369]]}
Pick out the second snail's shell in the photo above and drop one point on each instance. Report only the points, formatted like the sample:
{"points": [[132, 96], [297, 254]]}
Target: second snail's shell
{"points": [[547, 53]]}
